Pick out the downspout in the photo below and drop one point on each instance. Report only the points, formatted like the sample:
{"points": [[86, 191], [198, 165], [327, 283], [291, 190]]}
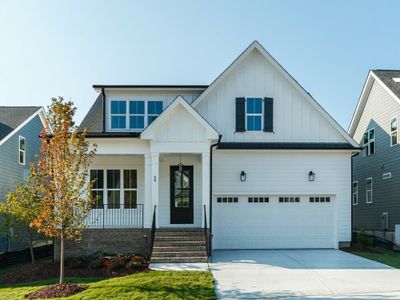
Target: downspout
{"points": [[103, 95], [351, 197], [211, 193]]}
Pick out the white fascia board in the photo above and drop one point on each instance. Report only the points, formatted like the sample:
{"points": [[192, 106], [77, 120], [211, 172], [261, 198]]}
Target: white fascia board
{"points": [[39, 112], [148, 132], [287, 76]]}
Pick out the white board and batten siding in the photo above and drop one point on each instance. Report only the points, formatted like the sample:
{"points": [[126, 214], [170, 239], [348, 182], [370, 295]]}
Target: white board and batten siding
{"points": [[277, 225], [295, 119]]}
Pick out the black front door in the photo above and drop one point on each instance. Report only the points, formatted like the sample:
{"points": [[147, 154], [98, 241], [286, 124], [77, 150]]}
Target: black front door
{"points": [[181, 195]]}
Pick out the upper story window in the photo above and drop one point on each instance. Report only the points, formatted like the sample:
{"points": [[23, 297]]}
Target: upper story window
{"points": [[393, 132], [369, 142], [254, 114], [355, 192], [368, 190], [21, 150], [133, 115]]}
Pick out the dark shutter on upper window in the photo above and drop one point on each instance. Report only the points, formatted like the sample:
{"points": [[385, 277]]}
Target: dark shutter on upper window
{"points": [[268, 114], [240, 114]]}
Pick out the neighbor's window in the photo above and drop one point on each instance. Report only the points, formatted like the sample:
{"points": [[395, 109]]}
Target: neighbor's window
{"points": [[98, 188], [393, 132], [130, 188], [369, 142], [369, 190], [254, 114], [355, 192], [21, 150]]}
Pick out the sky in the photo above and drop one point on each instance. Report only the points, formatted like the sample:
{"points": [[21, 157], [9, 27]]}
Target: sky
{"points": [[61, 48]]}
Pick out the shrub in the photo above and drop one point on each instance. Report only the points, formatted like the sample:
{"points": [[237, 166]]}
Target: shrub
{"points": [[135, 265], [96, 264], [77, 262], [365, 240], [117, 262]]}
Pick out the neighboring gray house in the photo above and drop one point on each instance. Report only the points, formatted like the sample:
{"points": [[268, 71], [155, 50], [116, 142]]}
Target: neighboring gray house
{"points": [[376, 171], [20, 127]]}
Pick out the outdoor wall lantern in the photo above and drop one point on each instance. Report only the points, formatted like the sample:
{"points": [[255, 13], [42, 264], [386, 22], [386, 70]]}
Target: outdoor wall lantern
{"points": [[242, 176], [311, 176]]}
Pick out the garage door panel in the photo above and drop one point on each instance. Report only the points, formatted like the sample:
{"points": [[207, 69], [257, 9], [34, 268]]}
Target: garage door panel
{"points": [[273, 225]]}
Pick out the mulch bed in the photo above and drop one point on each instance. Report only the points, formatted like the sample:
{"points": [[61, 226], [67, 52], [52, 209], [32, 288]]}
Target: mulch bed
{"points": [[359, 248], [28, 273], [57, 290]]}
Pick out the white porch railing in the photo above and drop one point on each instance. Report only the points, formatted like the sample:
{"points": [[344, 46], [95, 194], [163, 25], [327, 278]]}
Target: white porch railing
{"points": [[115, 216]]}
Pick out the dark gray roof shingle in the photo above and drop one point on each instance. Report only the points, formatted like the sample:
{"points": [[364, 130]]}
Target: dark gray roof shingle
{"points": [[93, 120], [387, 78], [13, 116]]}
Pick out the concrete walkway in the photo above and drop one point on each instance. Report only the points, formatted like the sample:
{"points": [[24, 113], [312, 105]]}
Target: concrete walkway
{"points": [[301, 274]]}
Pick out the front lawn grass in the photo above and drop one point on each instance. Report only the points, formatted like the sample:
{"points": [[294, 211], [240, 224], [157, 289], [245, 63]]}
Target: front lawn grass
{"points": [[379, 254], [147, 285]]}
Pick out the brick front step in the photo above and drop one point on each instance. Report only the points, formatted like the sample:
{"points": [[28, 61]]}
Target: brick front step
{"points": [[179, 245], [201, 259], [179, 233], [180, 238], [158, 254], [180, 248]]}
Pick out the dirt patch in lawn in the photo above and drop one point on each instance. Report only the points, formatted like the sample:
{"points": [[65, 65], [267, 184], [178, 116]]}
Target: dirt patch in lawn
{"points": [[28, 273], [57, 291]]}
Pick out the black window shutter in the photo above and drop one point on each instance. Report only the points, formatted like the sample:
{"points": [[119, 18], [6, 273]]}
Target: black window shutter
{"points": [[240, 114], [268, 114]]}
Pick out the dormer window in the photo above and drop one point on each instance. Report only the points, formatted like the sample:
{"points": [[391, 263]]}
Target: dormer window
{"points": [[133, 115]]}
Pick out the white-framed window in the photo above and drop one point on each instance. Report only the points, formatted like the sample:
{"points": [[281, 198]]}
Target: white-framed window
{"points": [[289, 199], [368, 193], [98, 187], [355, 192], [393, 131], [21, 150], [387, 175], [254, 114], [369, 142], [133, 115], [114, 188]]}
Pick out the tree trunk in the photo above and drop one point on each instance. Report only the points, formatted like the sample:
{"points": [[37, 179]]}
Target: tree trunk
{"points": [[31, 251], [62, 259]]}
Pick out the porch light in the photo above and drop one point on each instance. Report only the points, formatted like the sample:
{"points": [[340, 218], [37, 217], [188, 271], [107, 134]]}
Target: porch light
{"points": [[243, 176], [311, 176]]}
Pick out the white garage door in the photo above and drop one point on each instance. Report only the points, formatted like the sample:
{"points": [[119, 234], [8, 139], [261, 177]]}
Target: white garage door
{"points": [[278, 222]]}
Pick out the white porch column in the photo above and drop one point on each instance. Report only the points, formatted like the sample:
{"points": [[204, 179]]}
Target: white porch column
{"points": [[155, 158], [205, 190], [148, 205]]}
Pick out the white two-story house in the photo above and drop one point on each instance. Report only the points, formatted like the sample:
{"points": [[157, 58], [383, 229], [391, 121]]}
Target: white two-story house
{"points": [[252, 158]]}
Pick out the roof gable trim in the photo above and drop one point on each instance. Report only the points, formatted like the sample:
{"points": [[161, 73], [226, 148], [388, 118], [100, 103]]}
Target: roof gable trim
{"points": [[39, 112], [148, 131]]}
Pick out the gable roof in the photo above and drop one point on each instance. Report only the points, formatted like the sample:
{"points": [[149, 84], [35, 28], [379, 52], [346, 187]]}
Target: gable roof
{"points": [[385, 78], [93, 120], [256, 45], [179, 101], [12, 118]]}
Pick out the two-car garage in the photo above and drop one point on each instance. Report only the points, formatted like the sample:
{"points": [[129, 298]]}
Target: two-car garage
{"points": [[273, 222]]}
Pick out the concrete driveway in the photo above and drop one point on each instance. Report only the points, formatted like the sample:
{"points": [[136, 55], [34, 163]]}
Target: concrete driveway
{"points": [[301, 274]]}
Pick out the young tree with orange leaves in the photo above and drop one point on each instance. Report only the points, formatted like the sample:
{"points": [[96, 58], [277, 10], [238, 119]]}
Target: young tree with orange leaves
{"points": [[60, 177]]}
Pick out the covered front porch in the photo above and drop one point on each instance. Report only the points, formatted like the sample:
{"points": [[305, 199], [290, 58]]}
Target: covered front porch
{"points": [[161, 179]]}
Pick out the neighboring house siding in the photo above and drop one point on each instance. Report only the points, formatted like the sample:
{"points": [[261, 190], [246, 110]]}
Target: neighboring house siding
{"points": [[380, 108], [286, 173], [11, 171], [295, 119]]}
